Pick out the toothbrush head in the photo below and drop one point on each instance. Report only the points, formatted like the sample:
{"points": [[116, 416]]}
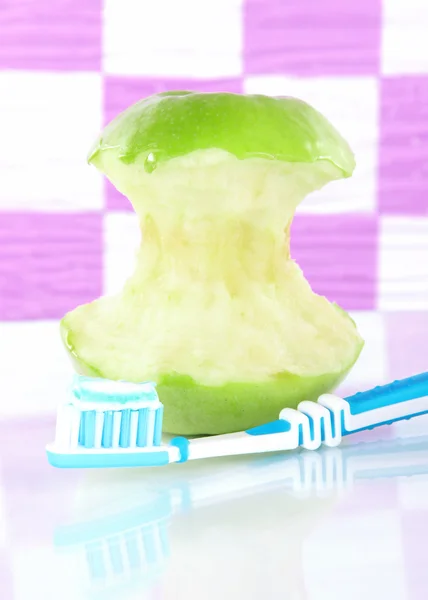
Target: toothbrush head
{"points": [[107, 423]]}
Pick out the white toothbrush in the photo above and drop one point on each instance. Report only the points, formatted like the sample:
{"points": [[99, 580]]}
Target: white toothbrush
{"points": [[119, 424]]}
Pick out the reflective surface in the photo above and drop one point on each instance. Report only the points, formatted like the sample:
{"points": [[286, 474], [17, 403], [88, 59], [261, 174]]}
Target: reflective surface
{"points": [[349, 522]]}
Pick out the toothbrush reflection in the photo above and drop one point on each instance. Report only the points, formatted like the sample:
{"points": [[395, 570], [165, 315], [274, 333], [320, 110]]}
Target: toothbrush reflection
{"points": [[146, 534]]}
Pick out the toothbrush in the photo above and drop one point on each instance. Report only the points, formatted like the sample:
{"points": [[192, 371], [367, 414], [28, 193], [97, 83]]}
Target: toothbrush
{"points": [[119, 424]]}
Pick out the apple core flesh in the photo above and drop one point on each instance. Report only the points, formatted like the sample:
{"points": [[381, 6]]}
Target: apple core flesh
{"points": [[216, 311]]}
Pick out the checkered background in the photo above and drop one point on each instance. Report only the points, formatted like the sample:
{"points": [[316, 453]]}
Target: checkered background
{"points": [[66, 236]]}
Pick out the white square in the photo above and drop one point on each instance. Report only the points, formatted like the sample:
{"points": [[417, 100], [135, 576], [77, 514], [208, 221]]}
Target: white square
{"points": [[373, 561], [44, 572], [403, 263], [122, 240], [3, 517], [48, 123], [351, 105], [415, 428], [371, 367], [413, 491], [404, 37], [189, 38], [36, 371]]}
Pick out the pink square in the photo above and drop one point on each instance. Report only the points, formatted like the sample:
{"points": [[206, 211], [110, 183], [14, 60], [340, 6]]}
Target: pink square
{"points": [[49, 263], [121, 92], [312, 37], [60, 35], [338, 255], [403, 160]]}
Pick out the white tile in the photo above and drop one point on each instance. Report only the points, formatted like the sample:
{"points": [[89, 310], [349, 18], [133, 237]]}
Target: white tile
{"points": [[48, 123], [36, 371], [347, 557], [3, 516], [372, 366], [414, 428], [403, 263], [52, 573], [188, 38], [351, 105], [404, 37], [121, 243], [413, 493]]}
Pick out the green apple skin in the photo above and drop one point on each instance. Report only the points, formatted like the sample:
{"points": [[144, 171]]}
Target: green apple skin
{"points": [[173, 124]]}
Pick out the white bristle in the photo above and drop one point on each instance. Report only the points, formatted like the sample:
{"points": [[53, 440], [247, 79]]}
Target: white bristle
{"points": [[63, 425], [99, 422], [150, 427], [75, 418], [133, 430], [117, 419]]}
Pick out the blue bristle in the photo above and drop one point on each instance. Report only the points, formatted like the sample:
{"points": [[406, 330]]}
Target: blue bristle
{"points": [[82, 429], [149, 545], [157, 438], [142, 427], [107, 437], [95, 560], [89, 427], [125, 429], [115, 556]]}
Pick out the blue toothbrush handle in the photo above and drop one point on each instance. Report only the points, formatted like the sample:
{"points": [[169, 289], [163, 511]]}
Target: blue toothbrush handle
{"points": [[326, 421], [403, 390]]}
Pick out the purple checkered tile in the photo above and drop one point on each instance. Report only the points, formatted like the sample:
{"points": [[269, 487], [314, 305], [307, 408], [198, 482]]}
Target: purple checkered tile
{"points": [[338, 254], [312, 37], [121, 92], [63, 35], [49, 263], [403, 148]]}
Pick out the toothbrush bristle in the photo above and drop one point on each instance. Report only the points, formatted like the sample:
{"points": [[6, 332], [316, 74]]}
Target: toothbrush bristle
{"points": [[133, 420], [142, 427], [150, 428], [116, 429], [158, 426], [123, 428]]}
